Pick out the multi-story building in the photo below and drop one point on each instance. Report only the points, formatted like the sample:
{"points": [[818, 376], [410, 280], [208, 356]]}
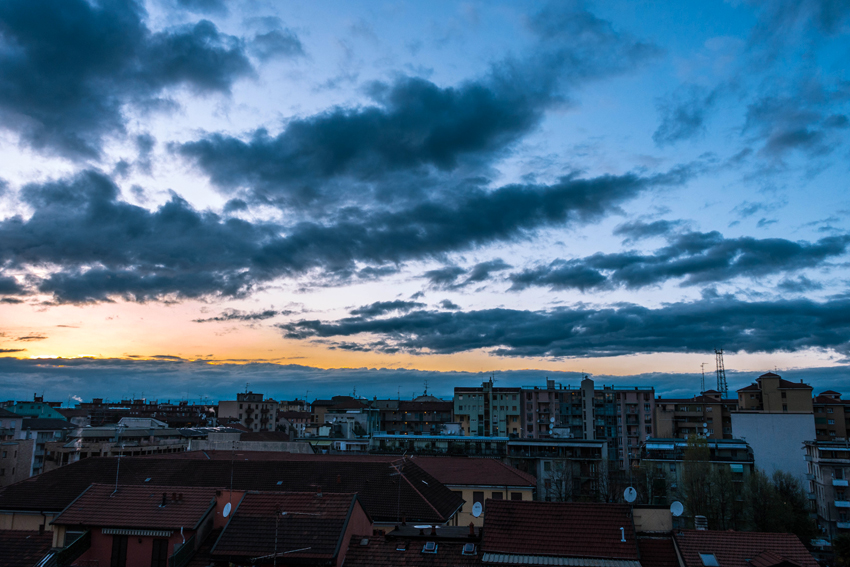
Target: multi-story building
{"points": [[488, 411], [832, 416], [417, 417], [180, 414], [828, 465], [707, 415], [44, 431], [566, 469], [37, 408], [667, 457], [252, 411], [775, 417], [541, 411]]}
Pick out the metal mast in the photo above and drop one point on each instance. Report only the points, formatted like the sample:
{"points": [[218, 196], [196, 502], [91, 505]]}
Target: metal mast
{"points": [[722, 387]]}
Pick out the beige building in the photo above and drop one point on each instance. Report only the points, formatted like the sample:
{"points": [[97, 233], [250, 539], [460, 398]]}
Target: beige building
{"points": [[828, 472], [252, 411], [772, 394], [707, 415], [832, 416]]}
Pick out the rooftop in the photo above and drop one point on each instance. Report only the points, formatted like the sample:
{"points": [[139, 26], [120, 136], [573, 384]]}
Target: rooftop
{"points": [[737, 549], [139, 507], [561, 529], [465, 470], [380, 551], [46, 423], [658, 552], [301, 520], [419, 496], [23, 548]]}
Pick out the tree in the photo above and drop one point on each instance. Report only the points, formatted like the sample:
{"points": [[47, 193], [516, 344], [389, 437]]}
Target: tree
{"points": [[841, 548], [696, 469], [778, 504]]}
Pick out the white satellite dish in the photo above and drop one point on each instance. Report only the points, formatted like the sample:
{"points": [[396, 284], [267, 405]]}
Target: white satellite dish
{"points": [[552, 420], [477, 508], [630, 494], [676, 508], [227, 509]]}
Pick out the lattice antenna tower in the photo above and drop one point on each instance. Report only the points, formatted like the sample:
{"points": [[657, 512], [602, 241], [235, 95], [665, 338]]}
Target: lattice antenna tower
{"points": [[722, 386]]}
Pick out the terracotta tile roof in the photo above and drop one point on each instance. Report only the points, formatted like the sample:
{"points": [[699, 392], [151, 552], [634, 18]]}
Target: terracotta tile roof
{"points": [[23, 548], [830, 401], [658, 552], [734, 549], [374, 480], [379, 551], [425, 406], [349, 404], [770, 559], [138, 507], [464, 470], [793, 385], [310, 521], [830, 393], [751, 387], [561, 529]]}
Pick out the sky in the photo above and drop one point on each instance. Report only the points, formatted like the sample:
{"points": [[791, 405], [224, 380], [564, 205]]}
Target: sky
{"points": [[361, 197]]}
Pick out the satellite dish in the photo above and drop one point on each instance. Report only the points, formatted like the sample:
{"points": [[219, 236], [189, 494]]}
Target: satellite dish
{"points": [[676, 508], [477, 508], [552, 420], [227, 509], [630, 494], [705, 425]]}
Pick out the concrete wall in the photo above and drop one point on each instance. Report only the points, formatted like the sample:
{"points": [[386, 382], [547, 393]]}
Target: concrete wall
{"points": [[777, 439], [464, 516], [28, 521], [16, 458]]}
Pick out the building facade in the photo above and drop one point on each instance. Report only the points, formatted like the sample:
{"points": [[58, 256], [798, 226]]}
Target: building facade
{"points": [[488, 411], [828, 465], [832, 416], [706, 415], [252, 411]]}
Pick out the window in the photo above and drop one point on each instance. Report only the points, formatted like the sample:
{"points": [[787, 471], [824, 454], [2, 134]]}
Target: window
{"points": [[516, 495], [828, 410], [784, 407], [478, 497], [468, 549], [830, 422], [430, 547], [497, 496], [709, 560], [159, 557], [547, 466]]}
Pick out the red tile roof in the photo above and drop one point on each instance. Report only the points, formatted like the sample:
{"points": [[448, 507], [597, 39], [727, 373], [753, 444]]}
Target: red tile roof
{"points": [[830, 393], [304, 520], [562, 529], [658, 552], [23, 548], [373, 479], [734, 549], [425, 406], [264, 436], [770, 559], [138, 507], [829, 401], [379, 551], [466, 471]]}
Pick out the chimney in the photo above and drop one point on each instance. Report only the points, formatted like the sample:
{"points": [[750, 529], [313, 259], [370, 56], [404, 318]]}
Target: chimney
{"points": [[174, 497], [701, 523], [40, 529], [471, 529], [433, 530]]}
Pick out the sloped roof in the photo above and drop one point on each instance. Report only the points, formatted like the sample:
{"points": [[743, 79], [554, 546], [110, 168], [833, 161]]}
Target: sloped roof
{"points": [[304, 520], [830, 401], [658, 552], [425, 405], [734, 549], [6, 413], [770, 559], [464, 470], [138, 507], [379, 551], [559, 529], [374, 480], [19, 548]]}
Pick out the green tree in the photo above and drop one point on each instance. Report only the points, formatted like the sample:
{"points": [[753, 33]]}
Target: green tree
{"points": [[793, 506], [696, 469], [841, 548]]}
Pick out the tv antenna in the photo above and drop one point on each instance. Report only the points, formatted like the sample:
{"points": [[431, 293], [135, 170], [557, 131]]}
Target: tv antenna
{"points": [[702, 384], [722, 387]]}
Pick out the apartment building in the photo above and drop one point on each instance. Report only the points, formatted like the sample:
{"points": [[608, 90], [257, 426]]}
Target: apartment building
{"points": [[252, 410], [707, 415], [832, 416], [828, 465], [488, 411]]}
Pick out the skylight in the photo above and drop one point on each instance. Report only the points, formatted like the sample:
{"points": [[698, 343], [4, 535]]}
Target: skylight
{"points": [[430, 547], [468, 549], [709, 560]]}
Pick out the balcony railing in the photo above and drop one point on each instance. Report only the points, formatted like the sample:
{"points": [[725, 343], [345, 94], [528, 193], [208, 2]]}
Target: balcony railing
{"points": [[183, 554], [839, 482], [842, 525], [70, 553], [811, 496], [842, 503]]}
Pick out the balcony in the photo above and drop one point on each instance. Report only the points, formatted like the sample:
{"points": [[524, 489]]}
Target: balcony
{"points": [[839, 482], [842, 525], [842, 503], [808, 458], [811, 496], [810, 476]]}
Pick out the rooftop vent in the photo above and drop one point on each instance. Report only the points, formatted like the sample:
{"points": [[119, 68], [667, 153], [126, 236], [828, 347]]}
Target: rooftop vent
{"points": [[364, 541], [401, 546], [700, 522], [468, 549], [430, 547]]}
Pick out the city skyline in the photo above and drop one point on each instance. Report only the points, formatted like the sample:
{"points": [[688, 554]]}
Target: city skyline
{"points": [[195, 194]]}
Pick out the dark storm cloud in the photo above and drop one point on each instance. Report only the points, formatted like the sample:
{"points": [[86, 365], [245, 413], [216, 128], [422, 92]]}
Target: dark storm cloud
{"points": [[624, 329], [10, 286], [446, 304], [104, 247], [800, 285], [383, 307], [416, 127], [236, 315], [203, 6], [683, 115], [70, 66], [276, 43], [447, 277], [11, 350], [694, 258]]}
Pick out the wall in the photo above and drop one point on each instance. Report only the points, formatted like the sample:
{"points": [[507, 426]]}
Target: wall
{"points": [[652, 519], [139, 549], [25, 521], [17, 463], [358, 524], [464, 516], [776, 438]]}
